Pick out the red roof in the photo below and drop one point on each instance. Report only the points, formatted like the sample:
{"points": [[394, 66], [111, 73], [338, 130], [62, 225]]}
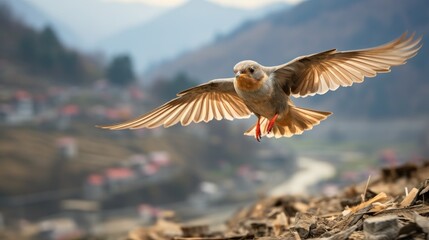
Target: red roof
{"points": [[150, 169], [95, 179], [65, 141], [22, 94], [70, 110], [119, 173]]}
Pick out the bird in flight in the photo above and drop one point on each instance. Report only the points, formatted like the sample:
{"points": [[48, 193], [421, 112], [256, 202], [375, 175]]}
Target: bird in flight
{"points": [[265, 91]]}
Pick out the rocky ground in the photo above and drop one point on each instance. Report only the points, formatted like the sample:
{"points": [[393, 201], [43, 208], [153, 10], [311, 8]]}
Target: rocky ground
{"points": [[394, 205]]}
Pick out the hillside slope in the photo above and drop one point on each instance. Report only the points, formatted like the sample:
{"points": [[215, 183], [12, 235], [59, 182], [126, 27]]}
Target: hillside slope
{"points": [[27, 55], [36, 18]]}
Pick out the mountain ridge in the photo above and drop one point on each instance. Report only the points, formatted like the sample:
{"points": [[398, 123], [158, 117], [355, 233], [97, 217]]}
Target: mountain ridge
{"points": [[178, 30]]}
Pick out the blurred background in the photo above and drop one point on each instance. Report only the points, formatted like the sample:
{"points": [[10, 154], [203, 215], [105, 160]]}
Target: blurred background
{"points": [[66, 66]]}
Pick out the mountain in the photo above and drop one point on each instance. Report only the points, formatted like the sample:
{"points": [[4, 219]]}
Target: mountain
{"points": [[94, 20], [186, 27], [34, 59], [314, 26], [34, 17]]}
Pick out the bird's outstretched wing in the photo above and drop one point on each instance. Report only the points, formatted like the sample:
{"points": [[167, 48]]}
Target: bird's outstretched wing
{"points": [[321, 72], [216, 99]]}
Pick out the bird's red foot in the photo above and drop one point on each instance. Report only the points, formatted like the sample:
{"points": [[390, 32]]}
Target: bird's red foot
{"points": [[271, 123], [258, 134]]}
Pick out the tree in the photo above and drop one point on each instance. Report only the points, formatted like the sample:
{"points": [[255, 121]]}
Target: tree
{"points": [[40, 52], [120, 71]]}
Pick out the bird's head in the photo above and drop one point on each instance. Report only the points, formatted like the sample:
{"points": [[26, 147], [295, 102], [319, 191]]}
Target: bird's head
{"points": [[249, 69]]}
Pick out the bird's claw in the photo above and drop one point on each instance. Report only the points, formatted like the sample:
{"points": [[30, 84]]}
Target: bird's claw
{"points": [[270, 125], [258, 134]]}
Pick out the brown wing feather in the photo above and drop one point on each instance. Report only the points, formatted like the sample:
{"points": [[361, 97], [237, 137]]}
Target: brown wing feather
{"points": [[321, 72], [216, 99]]}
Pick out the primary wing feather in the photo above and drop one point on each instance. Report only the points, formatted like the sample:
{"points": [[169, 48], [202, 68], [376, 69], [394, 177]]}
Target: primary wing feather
{"points": [[216, 99], [321, 72]]}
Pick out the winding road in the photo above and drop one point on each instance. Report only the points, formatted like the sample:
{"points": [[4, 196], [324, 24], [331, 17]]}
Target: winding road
{"points": [[310, 172]]}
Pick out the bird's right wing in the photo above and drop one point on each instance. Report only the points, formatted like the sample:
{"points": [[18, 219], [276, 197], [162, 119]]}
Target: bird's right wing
{"points": [[216, 99], [321, 72]]}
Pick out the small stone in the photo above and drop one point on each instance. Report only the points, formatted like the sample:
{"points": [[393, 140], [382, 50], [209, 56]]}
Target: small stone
{"points": [[423, 223], [381, 228], [305, 222], [195, 230]]}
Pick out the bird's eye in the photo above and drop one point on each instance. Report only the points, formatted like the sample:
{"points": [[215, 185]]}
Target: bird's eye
{"points": [[251, 69]]}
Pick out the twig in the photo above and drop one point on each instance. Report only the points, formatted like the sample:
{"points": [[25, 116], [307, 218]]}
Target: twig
{"points": [[366, 189]]}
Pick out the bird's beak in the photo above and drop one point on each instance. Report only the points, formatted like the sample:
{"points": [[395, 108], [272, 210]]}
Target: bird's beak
{"points": [[237, 74]]}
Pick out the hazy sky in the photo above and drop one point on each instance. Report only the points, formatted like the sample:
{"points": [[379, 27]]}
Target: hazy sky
{"points": [[235, 3], [97, 19]]}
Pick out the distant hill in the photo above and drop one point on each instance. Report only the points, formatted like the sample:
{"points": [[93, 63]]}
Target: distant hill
{"points": [[94, 20], [34, 17], [314, 26], [31, 57], [181, 29]]}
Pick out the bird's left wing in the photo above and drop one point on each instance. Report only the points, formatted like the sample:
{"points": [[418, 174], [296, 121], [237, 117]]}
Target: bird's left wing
{"points": [[216, 99], [321, 72]]}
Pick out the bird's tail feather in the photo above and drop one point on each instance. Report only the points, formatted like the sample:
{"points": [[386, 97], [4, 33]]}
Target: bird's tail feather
{"points": [[296, 122]]}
